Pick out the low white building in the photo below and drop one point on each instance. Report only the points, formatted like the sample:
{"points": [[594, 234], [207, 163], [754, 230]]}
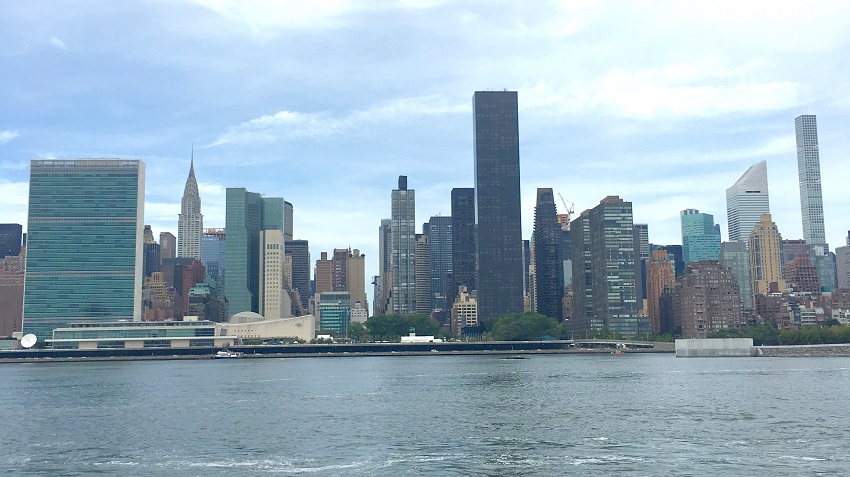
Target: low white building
{"points": [[254, 326]]}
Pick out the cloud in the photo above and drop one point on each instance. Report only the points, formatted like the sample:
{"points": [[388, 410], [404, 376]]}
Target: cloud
{"points": [[291, 124], [57, 43], [7, 135]]}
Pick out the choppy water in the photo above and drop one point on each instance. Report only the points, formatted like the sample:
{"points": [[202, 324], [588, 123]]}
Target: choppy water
{"points": [[434, 415]]}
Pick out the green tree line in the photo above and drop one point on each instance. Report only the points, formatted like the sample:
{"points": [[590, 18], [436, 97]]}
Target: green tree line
{"points": [[768, 334]]}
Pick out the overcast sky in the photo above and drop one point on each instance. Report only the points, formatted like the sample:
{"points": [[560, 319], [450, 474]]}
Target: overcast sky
{"points": [[326, 103]]}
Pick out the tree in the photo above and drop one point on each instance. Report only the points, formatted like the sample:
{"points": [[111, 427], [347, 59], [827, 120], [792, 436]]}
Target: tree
{"points": [[524, 327], [357, 331], [392, 327]]}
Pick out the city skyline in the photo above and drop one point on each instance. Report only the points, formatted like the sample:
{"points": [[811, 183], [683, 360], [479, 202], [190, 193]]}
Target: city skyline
{"points": [[662, 129]]}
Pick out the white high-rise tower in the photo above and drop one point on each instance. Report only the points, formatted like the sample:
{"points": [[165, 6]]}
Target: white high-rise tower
{"points": [[746, 201], [808, 167], [190, 222]]}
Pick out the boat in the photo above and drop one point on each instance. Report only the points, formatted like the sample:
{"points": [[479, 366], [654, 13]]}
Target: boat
{"points": [[621, 349], [226, 354]]}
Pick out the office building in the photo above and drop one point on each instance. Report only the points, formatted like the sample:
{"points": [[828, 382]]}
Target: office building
{"points": [[734, 256], [355, 280], [497, 204], [765, 257], [660, 276], [463, 241], [214, 254], [801, 275], [84, 243], [548, 266], [706, 300], [324, 274], [334, 310], [339, 269], [384, 280], [808, 168], [700, 237], [274, 295], [10, 239], [288, 217], [746, 201], [190, 222], [644, 254], [604, 288], [11, 294], [151, 261], [403, 248], [422, 275], [246, 215], [300, 250], [440, 243], [167, 245], [842, 266]]}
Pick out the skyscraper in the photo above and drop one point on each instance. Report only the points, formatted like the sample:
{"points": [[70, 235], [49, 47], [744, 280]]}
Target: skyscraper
{"points": [[660, 276], [213, 254], [384, 283], [765, 257], [604, 288], [440, 242], [746, 201], [300, 250], [497, 204], [339, 269], [403, 248], [324, 274], [167, 245], [10, 239], [700, 238], [706, 300], [246, 215], [463, 241], [355, 279], [423, 275], [808, 168], [548, 267], [734, 255], [273, 301], [152, 261], [190, 222], [84, 244], [288, 217]]}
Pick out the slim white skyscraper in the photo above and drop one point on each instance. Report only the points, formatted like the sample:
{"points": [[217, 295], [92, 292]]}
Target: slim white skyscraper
{"points": [[808, 168], [746, 201], [190, 222]]}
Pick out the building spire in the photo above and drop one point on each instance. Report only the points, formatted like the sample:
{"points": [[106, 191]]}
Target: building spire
{"points": [[192, 162]]}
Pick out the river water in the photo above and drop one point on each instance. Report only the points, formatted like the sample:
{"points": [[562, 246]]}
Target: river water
{"points": [[432, 415]]}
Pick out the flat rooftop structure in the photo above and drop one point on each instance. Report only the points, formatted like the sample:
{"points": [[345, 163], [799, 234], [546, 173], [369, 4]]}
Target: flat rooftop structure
{"points": [[139, 334]]}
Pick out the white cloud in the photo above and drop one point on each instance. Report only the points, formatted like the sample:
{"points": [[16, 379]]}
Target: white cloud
{"points": [[57, 43], [13, 207], [291, 124], [7, 135]]}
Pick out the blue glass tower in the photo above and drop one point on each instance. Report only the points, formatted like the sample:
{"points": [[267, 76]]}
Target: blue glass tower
{"points": [[84, 248]]}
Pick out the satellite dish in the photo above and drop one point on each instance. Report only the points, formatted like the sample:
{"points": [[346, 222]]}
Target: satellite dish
{"points": [[28, 341]]}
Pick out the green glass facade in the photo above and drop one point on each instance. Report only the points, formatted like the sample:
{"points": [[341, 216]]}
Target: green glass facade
{"points": [[84, 243], [246, 214], [335, 312]]}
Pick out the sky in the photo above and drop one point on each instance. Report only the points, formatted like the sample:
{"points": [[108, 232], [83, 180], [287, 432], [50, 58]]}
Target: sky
{"points": [[326, 103]]}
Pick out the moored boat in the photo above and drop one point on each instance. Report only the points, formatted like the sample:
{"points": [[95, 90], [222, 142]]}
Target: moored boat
{"points": [[224, 354]]}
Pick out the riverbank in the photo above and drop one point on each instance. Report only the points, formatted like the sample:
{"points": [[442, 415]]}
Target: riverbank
{"points": [[801, 351], [518, 348]]}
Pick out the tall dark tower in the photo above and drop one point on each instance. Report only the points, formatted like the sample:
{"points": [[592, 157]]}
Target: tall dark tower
{"points": [[463, 242], [548, 267], [497, 204]]}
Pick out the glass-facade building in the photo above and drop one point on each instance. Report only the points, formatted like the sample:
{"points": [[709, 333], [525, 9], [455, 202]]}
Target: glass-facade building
{"points": [[548, 266], [700, 237], [10, 239], [334, 312], [403, 263], [85, 243], [246, 214], [440, 241], [213, 253], [463, 241], [497, 204], [300, 251]]}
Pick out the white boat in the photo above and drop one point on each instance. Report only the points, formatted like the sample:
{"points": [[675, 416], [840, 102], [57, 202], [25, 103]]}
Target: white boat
{"points": [[227, 354]]}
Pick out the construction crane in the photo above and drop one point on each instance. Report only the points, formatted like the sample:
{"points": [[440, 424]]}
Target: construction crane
{"points": [[564, 219]]}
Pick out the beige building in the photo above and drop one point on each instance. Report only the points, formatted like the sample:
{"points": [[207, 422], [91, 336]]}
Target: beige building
{"points": [[766, 257], [356, 280], [706, 299], [274, 298], [464, 310], [248, 325]]}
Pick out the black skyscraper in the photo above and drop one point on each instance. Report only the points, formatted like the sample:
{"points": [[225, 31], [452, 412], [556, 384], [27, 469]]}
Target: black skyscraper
{"points": [[497, 204], [10, 239], [463, 242], [300, 251], [548, 266]]}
